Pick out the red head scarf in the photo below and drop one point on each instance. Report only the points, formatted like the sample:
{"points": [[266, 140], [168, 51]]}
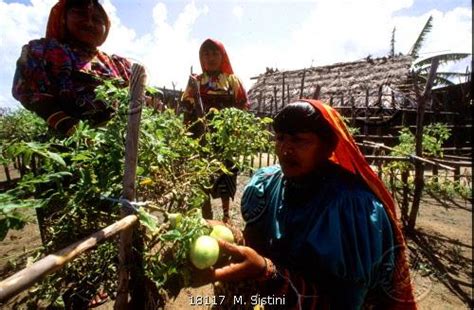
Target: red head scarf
{"points": [[56, 28], [225, 64], [348, 156]]}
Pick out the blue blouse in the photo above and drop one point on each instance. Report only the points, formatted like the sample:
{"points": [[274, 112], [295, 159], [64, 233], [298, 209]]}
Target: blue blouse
{"points": [[331, 229]]}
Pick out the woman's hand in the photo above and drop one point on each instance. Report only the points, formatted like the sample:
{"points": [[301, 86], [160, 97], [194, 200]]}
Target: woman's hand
{"points": [[250, 265]]}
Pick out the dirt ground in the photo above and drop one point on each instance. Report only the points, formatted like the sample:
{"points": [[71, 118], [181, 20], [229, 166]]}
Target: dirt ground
{"points": [[440, 251]]}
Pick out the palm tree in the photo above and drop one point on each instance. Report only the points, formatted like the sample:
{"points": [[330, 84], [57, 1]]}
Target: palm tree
{"points": [[421, 67]]}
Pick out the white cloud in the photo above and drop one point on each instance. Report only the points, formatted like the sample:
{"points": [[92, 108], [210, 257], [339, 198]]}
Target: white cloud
{"points": [[343, 30], [238, 12], [166, 51], [335, 31], [19, 24]]}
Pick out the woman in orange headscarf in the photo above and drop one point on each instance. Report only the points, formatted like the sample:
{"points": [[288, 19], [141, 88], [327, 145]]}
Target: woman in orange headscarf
{"points": [[56, 76], [219, 88], [321, 230]]}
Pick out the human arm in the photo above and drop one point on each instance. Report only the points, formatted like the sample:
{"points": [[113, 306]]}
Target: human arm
{"points": [[36, 88], [48, 83]]}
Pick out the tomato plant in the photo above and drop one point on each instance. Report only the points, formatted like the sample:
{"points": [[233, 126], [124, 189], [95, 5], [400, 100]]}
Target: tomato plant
{"points": [[80, 179]]}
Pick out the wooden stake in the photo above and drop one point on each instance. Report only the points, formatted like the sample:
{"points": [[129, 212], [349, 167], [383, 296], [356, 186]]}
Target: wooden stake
{"points": [[317, 92], [302, 84], [419, 168], [283, 91], [126, 259]]}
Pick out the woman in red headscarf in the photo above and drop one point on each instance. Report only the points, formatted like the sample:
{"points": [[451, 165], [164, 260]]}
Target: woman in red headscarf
{"points": [[56, 76], [219, 88], [320, 228]]}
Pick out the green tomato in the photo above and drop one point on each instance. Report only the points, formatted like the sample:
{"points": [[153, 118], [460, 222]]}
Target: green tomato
{"points": [[204, 252], [221, 232], [175, 219]]}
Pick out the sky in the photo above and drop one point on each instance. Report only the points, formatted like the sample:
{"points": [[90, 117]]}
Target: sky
{"points": [[165, 35]]}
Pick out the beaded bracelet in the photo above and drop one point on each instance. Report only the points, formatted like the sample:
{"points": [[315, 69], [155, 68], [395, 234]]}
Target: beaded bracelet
{"points": [[270, 271]]}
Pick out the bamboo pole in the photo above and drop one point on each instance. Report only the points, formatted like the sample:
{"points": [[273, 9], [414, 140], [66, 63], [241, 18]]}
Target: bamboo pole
{"points": [[25, 278], [419, 169], [126, 259]]}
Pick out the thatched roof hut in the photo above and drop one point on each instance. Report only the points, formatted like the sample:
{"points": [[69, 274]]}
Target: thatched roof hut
{"points": [[386, 80]]}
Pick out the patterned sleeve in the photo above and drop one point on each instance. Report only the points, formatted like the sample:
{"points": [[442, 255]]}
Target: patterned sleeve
{"points": [[42, 74], [124, 67], [241, 98]]}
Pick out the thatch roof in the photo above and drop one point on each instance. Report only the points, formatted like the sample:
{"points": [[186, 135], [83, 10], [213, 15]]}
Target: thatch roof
{"points": [[381, 78]]}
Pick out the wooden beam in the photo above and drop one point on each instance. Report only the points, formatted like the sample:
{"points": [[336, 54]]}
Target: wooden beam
{"points": [[25, 278]]}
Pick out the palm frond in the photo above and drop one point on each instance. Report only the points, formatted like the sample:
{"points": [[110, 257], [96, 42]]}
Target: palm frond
{"points": [[442, 81], [450, 75], [439, 80], [443, 58], [421, 38]]}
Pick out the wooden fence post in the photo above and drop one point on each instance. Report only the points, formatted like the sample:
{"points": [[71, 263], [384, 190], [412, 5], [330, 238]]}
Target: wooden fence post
{"points": [[283, 91], [127, 258], [7, 173], [366, 125], [317, 92], [275, 98], [419, 166], [287, 94], [302, 84]]}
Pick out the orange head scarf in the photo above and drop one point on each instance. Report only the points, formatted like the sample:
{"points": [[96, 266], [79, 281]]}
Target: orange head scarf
{"points": [[349, 157], [225, 64], [56, 28]]}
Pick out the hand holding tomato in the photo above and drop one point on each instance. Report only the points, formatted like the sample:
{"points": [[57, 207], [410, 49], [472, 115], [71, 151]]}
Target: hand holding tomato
{"points": [[249, 265]]}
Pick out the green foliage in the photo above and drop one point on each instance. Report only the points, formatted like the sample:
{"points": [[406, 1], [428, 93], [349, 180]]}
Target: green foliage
{"points": [[352, 130], [81, 175], [19, 125], [448, 188], [434, 136]]}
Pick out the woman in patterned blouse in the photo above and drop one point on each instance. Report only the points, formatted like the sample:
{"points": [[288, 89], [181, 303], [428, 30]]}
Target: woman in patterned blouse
{"points": [[56, 76], [219, 88]]}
